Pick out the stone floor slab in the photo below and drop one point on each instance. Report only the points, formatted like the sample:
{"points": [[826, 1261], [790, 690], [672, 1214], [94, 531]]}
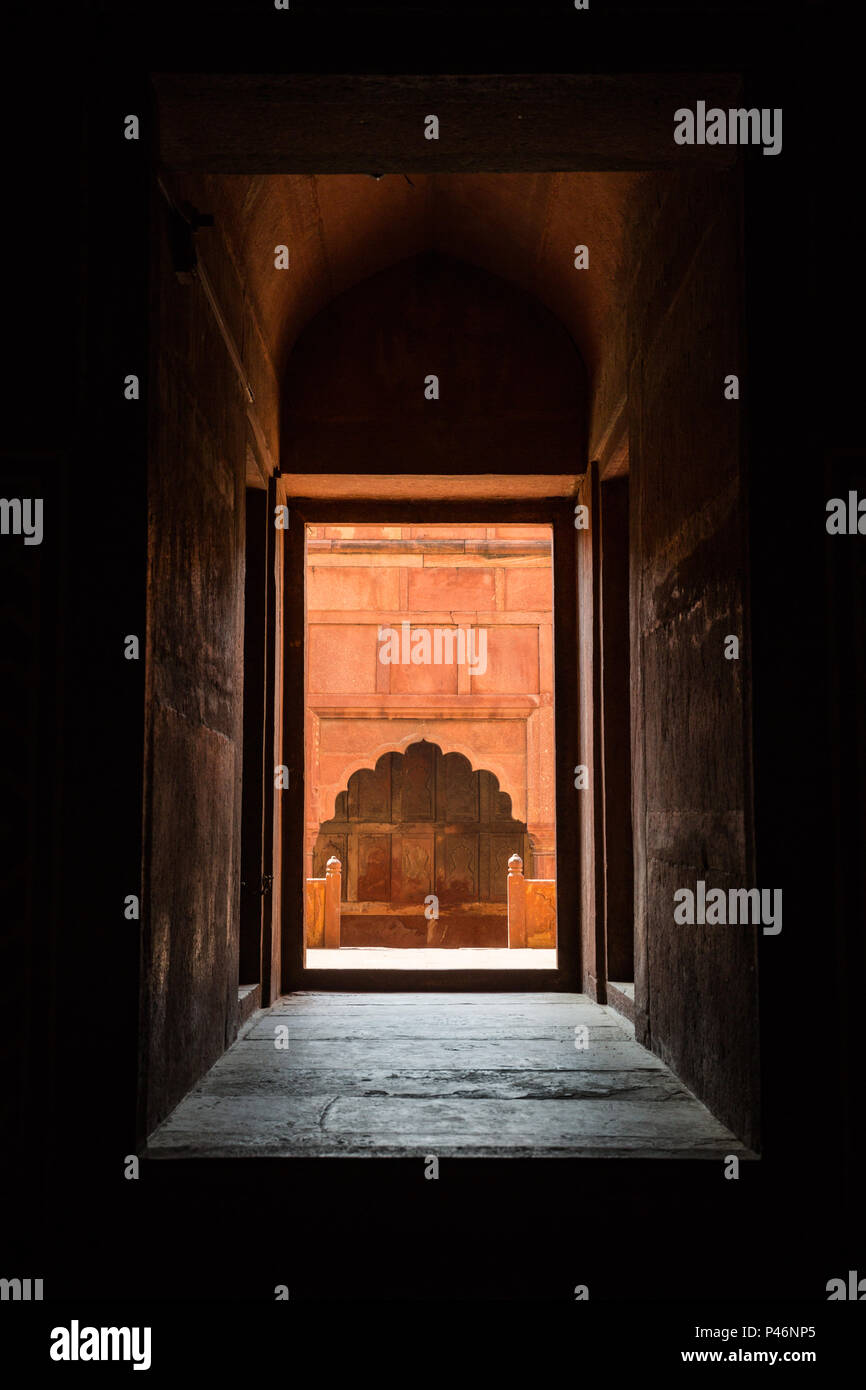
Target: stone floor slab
{"points": [[458, 1075]]}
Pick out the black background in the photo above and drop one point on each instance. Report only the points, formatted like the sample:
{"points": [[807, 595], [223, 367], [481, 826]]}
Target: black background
{"points": [[676, 1242]]}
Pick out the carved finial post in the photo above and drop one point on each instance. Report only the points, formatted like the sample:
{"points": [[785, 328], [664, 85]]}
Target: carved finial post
{"points": [[516, 885], [333, 894]]}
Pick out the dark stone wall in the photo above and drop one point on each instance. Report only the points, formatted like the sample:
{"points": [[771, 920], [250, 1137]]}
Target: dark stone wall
{"points": [[613, 599], [512, 385], [589, 808], [194, 675], [696, 987]]}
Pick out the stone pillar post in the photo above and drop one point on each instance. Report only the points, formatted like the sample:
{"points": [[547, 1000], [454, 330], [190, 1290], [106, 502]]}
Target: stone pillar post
{"points": [[516, 903], [333, 894]]}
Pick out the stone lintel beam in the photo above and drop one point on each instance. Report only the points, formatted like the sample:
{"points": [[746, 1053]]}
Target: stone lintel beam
{"points": [[493, 549], [233, 123]]}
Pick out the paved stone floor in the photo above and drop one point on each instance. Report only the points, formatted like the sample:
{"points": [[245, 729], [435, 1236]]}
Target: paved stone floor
{"points": [[472, 1075], [430, 958]]}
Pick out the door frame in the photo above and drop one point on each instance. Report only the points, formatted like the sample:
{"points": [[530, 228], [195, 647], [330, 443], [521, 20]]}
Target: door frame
{"points": [[257, 687], [556, 512]]}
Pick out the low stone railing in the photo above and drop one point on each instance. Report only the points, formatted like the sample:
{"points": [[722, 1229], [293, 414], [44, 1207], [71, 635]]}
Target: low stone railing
{"points": [[531, 909], [323, 907]]}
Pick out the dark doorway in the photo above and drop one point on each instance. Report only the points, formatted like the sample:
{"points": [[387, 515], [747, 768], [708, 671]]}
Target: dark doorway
{"points": [[535, 963]]}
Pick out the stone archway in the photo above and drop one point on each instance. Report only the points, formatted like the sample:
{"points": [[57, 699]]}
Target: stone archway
{"points": [[422, 822]]}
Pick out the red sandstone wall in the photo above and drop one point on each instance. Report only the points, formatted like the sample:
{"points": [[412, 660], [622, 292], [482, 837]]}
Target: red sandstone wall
{"points": [[359, 708]]}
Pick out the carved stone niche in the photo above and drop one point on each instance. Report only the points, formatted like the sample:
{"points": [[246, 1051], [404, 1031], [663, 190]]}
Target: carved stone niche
{"points": [[422, 822]]}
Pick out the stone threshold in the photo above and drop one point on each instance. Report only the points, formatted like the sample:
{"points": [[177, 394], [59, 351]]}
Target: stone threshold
{"points": [[430, 958]]}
